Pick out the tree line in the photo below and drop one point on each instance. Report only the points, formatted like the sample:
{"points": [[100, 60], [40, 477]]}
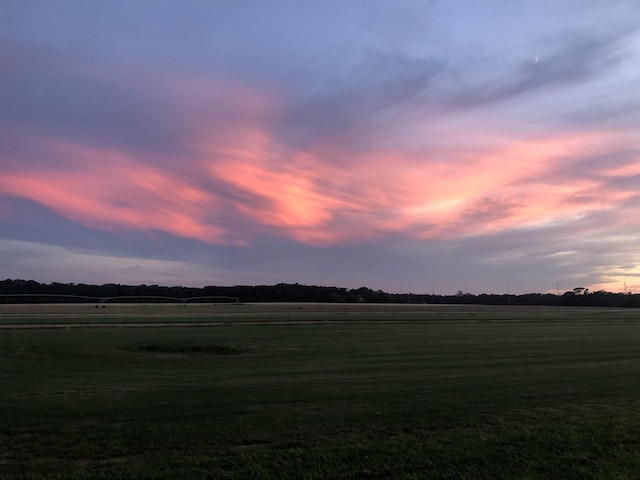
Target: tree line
{"points": [[30, 291]]}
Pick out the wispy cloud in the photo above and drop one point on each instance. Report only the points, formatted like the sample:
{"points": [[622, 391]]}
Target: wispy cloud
{"points": [[572, 59], [247, 184]]}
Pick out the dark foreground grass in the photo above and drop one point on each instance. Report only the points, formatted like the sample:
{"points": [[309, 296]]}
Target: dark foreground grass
{"points": [[413, 401]]}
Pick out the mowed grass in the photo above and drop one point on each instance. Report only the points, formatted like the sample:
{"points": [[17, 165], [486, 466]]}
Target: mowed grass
{"points": [[109, 313], [512, 395]]}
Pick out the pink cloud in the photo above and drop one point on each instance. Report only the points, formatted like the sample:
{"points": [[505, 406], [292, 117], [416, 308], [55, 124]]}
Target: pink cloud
{"points": [[303, 195], [239, 179], [109, 190]]}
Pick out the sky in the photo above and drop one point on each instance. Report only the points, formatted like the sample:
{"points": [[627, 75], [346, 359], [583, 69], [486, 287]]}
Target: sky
{"points": [[408, 146]]}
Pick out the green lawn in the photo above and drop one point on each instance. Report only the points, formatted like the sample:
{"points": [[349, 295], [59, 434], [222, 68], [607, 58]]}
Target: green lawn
{"points": [[424, 396]]}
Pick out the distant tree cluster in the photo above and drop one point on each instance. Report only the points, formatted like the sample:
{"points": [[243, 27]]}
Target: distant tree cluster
{"points": [[582, 297], [23, 291]]}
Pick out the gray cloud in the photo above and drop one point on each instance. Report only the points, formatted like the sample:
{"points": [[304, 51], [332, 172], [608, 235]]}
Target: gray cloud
{"points": [[617, 109], [575, 58], [68, 96], [379, 82]]}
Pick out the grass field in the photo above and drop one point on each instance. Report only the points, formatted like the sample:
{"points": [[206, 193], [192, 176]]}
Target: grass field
{"points": [[318, 391]]}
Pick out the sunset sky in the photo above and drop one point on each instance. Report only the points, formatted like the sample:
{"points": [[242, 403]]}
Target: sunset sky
{"points": [[411, 146]]}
